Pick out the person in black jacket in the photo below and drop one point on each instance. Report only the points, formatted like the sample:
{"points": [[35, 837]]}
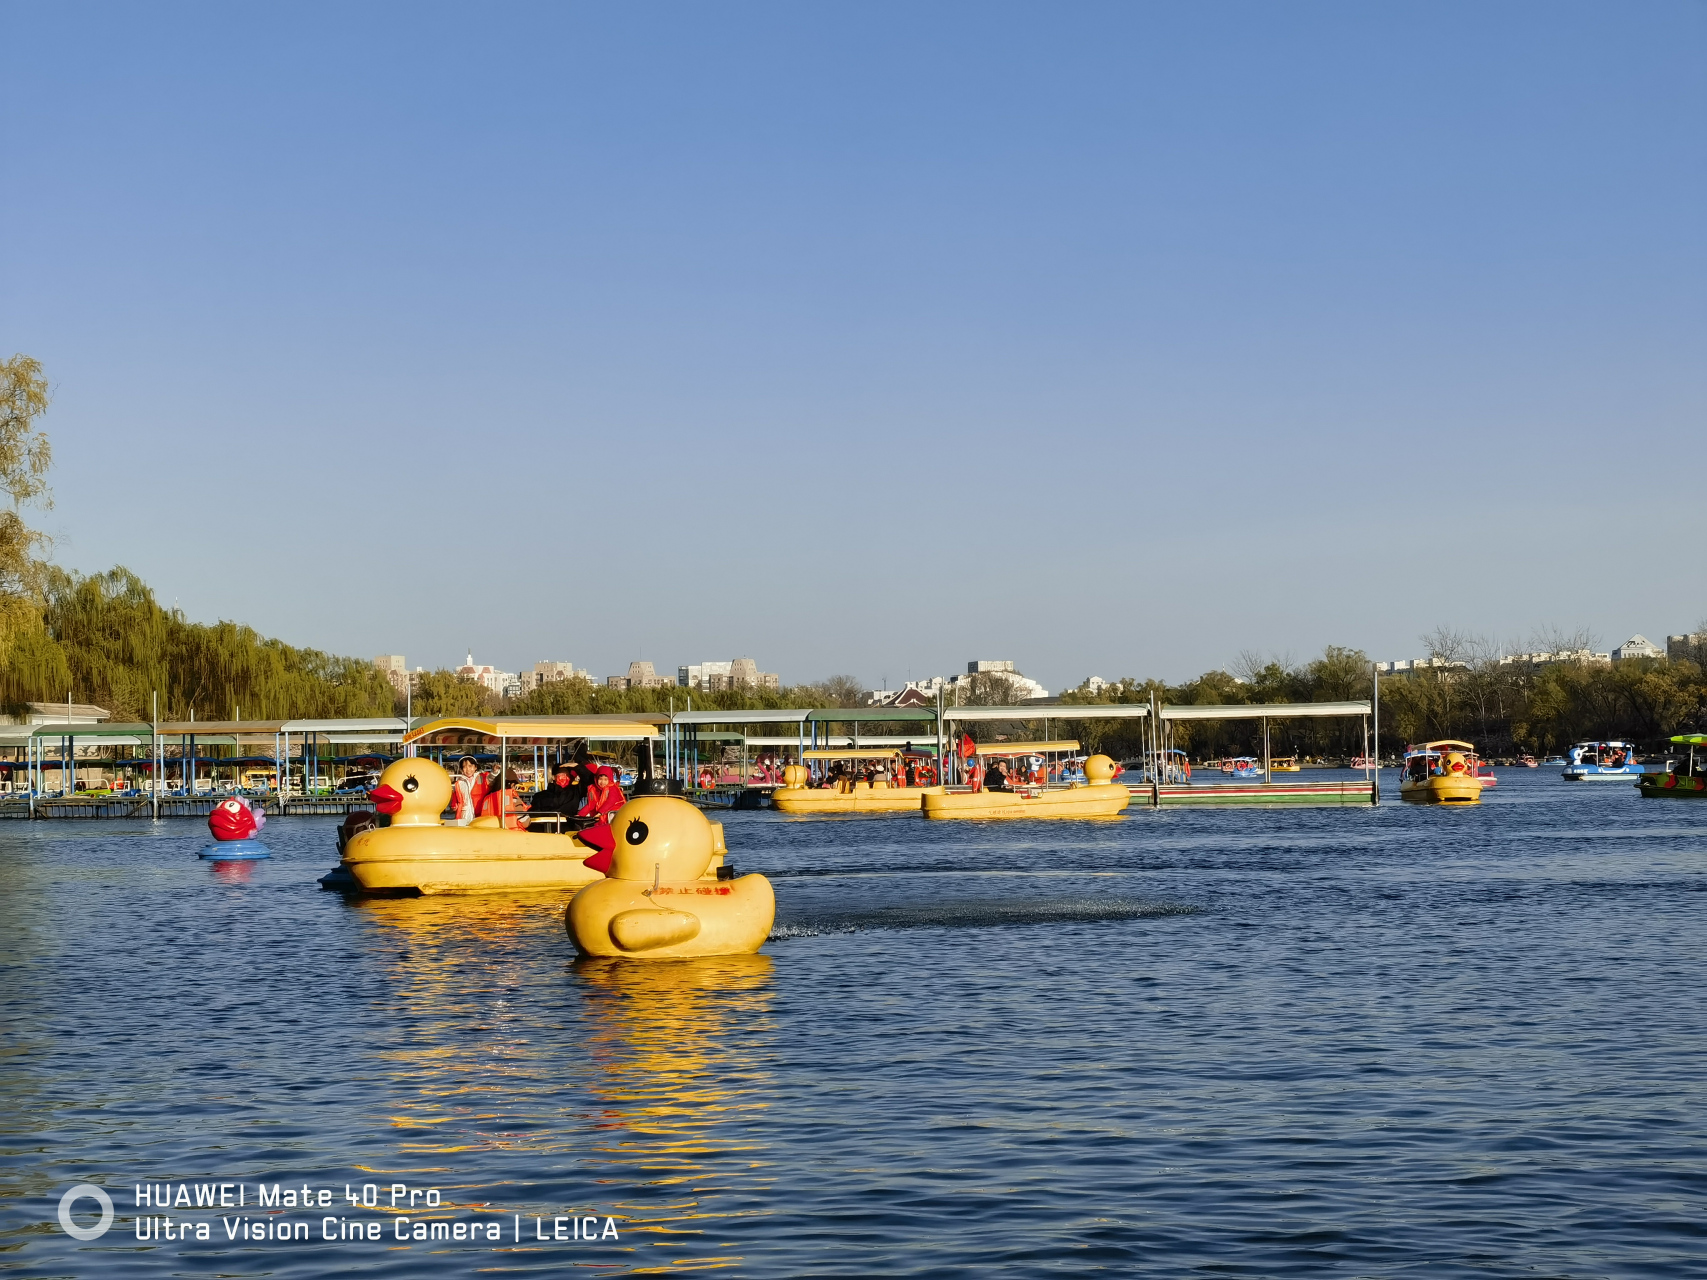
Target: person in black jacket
{"points": [[567, 792], [995, 779]]}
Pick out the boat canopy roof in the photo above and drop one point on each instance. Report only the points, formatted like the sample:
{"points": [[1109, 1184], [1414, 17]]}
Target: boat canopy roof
{"points": [[851, 753], [1695, 739], [1448, 742], [1025, 748], [1262, 710], [461, 731]]}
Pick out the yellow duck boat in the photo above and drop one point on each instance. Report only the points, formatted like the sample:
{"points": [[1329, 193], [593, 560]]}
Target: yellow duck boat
{"points": [[797, 795], [665, 898], [419, 852], [1442, 772], [1099, 797]]}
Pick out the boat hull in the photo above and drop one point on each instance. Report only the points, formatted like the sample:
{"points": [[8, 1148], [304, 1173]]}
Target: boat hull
{"points": [[818, 800], [706, 917], [437, 859], [1458, 790], [1597, 773], [1671, 786], [1096, 801]]}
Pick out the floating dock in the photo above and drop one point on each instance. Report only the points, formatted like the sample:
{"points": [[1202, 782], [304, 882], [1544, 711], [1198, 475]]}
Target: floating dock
{"points": [[173, 806], [1328, 791]]}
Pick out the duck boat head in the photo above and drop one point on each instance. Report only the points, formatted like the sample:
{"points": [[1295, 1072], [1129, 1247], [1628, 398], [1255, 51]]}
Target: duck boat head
{"points": [[412, 792], [663, 897]]}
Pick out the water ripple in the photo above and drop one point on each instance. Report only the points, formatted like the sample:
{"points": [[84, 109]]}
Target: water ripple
{"points": [[1368, 1042]]}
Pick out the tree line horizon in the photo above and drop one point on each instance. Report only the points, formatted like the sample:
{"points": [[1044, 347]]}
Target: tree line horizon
{"points": [[103, 638]]}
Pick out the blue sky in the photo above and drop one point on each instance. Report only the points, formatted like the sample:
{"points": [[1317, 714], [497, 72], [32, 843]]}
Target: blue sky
{"points": [[1111, 339]]}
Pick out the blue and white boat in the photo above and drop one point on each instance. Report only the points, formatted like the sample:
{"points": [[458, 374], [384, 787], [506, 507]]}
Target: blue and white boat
{"points": [[1242, 766], [1592, 761]]}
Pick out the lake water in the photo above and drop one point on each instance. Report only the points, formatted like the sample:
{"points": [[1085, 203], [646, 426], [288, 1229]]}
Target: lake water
{"points": [[1366, 1042]]}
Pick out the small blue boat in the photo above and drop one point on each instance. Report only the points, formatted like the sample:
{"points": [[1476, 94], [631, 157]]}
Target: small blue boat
{"points": [[1599, 761], [235, 851], [1242, 766]]}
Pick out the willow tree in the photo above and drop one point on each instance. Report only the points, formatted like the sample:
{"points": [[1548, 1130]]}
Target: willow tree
{"points": [[25, 456]]}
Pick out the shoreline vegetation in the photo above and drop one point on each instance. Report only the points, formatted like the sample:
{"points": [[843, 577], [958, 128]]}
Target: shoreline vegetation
{"points": [[103, 638]]}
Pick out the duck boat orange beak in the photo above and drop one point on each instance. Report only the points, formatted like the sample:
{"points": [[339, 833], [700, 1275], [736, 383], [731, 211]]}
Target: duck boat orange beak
{"points": [[386, 799]]}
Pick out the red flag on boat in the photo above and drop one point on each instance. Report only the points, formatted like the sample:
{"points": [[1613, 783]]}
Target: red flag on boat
{"points": [[968, 748]]}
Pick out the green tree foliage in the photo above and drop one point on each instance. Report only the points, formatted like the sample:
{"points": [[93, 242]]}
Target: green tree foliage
{"points": [[1508, 707], [580, 697], [445, 693], [25, 453], [25, 456], [105, 639], [1339, 675]]}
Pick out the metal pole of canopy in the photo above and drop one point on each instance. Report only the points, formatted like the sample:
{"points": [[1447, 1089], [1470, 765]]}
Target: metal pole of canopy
{"points": [[941, 772], [1375, 760], [1156, 756], [503, 772], [1266, 775], [1366, 748]]}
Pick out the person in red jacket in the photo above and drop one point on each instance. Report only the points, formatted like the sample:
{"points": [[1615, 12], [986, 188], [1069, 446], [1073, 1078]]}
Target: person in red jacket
{"points": [[468, 789], [604, 798], [504, 804]]}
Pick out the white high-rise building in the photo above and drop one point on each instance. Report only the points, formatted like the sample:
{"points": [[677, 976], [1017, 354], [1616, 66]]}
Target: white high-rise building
{"points": [[506, 684]]}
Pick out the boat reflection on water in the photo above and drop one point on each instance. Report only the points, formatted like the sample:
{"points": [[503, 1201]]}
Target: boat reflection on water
{"points": [[646, 1086], [232, 872], [680, 1052], [671, 1038]]}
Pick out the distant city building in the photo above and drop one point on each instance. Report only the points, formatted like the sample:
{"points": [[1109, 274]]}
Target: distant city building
{"points": [[1402, 665], [1095, 684], [1585, 656], [1636, 647], [918, 693], [1004, 671], [547, 672], [394, 669], [641, 675], [506, 684], [738, 673], [694, 677]]}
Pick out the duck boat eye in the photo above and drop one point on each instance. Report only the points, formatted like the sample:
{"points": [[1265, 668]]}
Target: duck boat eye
{"points": [[411, 783], [636, 833]]}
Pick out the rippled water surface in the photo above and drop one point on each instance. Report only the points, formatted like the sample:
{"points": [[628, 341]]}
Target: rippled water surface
{"points": [[1367, 1042]]}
